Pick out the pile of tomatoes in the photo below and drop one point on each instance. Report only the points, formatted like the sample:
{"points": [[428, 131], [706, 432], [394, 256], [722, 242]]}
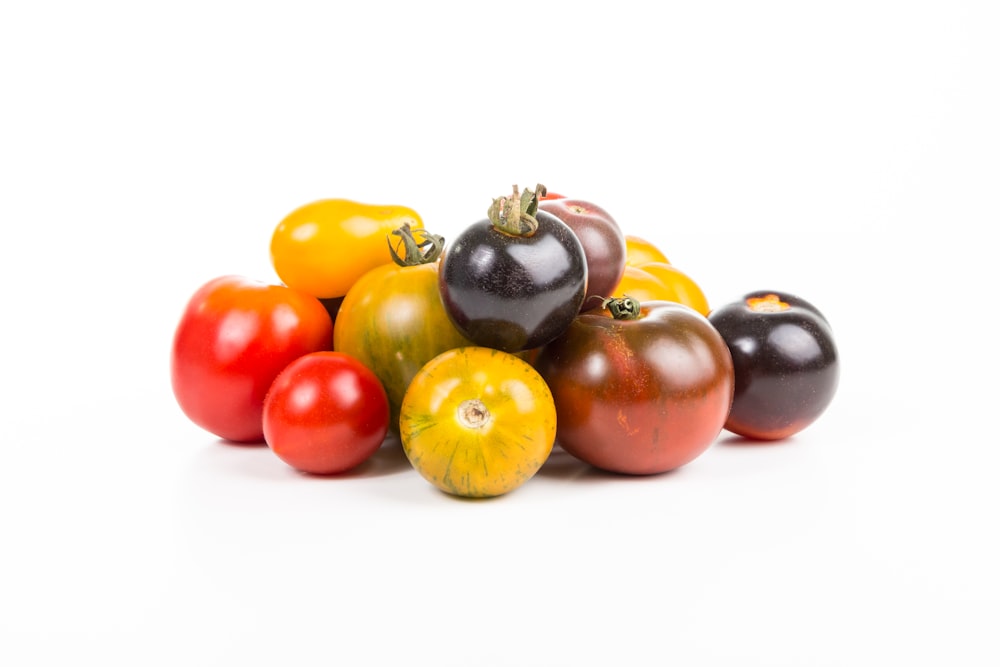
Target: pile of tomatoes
{"points": [[541, 324]]}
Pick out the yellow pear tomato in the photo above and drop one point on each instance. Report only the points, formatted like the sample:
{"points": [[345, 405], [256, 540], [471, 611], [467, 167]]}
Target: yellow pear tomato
{"points": [[324, 247]]}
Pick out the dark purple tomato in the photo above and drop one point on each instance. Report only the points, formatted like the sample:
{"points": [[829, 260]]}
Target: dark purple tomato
{"points": [[638, 396], [513, 287], [785, 360], [602, 240]]}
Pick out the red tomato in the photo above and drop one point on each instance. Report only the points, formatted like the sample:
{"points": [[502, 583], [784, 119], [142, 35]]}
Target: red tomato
{"points": [[233, 339], [639, 396], [325, 413]]}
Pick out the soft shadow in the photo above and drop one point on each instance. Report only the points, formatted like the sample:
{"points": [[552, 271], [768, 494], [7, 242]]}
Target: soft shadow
{"points": [[388, 459], [256, 444], [561, 465], [734, 440]]}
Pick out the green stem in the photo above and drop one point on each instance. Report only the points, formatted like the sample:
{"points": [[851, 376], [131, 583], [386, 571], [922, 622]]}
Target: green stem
{"points": [[622, 308], [415, 253], [515, 213]]}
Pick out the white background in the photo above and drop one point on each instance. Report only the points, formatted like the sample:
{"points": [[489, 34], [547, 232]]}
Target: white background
{"points": [[844, 151]]}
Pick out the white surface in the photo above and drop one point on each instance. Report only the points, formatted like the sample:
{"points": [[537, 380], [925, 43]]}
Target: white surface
{"points": [[843, 151]]}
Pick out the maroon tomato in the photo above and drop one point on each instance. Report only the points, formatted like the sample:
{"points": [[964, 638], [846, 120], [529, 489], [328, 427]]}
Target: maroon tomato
{"points": [[642, 391], [325, 413], [233, 339], [602, 240]]}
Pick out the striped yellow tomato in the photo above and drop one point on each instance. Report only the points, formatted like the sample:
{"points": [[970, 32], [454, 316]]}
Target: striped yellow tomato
{"points": [[477, 422]]}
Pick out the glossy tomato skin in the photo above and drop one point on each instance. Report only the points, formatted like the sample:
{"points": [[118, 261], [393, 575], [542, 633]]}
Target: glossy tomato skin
{"points": [[323, 247], [640, 396], [640, 251], [234, 337], [393, 321], [513, 293], [786, 363], [678, 285], [658, 281], [477, 422], [602, 240], [325, 413]]}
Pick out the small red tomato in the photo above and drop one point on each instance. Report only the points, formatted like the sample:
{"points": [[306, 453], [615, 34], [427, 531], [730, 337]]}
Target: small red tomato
{"points": [[233, 339], [326, 413], [551, 195]]}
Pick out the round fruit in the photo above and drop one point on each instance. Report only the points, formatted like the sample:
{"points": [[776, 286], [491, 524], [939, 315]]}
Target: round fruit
{"points": [[233, 339], [477, 422], [392, 319], [326, 413], [786, 363], [602, 240], [639, 388], [516, 280]]}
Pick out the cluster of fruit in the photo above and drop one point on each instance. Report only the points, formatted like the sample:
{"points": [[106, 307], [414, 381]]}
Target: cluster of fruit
{"points": [[543, 323]]}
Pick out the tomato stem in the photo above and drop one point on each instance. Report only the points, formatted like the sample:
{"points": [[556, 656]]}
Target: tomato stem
{"points": [[622, 308], [473, 413], [515, 214], [415, 253]]}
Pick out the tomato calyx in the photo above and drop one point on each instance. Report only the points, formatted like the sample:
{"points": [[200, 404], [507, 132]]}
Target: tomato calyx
{"points": [[515, 214], [770, 303], [473, 414], [415, 252], [622, 308]]}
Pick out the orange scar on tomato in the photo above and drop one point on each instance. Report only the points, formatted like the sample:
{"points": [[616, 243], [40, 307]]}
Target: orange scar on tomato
{"points": [[767, 304], [623, 422]]}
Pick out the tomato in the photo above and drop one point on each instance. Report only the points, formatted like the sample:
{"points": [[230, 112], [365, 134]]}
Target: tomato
{"points": [[640, 251], [393, 320], [679, 286], [322, 248], [602, 240], [325, 413], [516, 280], [661, 282], [477, 422], [233, 339], [641, 392], [639, 285], [786, 363], [550, 195]]}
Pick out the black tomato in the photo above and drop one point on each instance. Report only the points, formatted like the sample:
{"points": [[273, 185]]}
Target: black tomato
{"points": [[516, 280], [785, 361]]}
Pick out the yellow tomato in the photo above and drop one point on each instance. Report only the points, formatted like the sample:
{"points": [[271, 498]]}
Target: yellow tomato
{"points": [[324, 247], [640, 285], [658, 281], [477, 422], [681, 288], [640, 251]]}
